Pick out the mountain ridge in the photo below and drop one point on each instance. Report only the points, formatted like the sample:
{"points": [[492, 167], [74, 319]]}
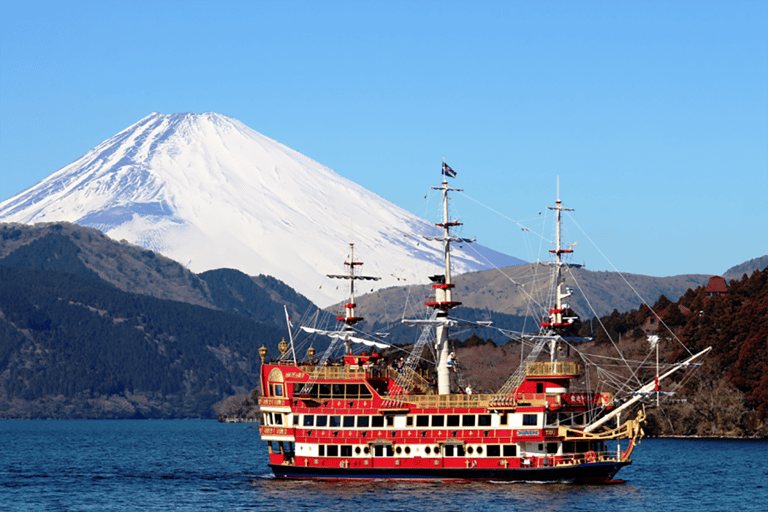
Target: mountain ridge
{"points": [[209, 192]]}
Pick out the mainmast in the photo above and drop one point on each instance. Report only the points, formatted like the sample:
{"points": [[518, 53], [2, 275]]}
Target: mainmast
{"points": [[443, 301], [350, 318]]}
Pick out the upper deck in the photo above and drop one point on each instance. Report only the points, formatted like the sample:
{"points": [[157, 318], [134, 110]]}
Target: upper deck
{"points": [[332, 383]]}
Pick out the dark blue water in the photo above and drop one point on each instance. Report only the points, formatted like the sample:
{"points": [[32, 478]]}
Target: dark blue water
{"points": [[205, 465]]}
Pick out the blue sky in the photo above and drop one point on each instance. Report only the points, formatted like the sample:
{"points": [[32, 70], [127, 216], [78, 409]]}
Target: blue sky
{"points": [[653, 113]]}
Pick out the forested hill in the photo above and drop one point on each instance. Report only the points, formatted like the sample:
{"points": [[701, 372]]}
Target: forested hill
{"points": [[76, 340], [73, 347], [90, 254], [729, 395]]}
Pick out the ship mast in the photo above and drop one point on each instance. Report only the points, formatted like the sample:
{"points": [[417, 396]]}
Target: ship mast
{"points": [[443, 301], [350, 318], [556, 320]]}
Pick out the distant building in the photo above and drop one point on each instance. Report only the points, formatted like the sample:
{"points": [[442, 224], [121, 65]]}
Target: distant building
{"points": [[651, 322], [716, 286]]}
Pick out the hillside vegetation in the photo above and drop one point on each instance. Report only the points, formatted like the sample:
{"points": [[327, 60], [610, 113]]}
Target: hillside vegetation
{"points": [[74, 344], [726, 396]]}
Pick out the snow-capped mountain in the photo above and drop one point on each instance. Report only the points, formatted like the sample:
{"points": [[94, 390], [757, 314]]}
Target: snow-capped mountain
{"points": [[209, 192]]}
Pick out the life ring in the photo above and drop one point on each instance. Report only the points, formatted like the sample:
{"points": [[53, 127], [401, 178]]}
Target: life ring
{"points": [[591, 456]]}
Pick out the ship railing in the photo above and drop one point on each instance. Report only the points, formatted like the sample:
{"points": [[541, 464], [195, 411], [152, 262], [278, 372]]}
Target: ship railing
{"points": [[553, 368], [573, 459]]}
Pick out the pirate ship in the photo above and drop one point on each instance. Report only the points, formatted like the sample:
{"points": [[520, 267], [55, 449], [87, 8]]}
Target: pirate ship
{"points": [[362, 418]]}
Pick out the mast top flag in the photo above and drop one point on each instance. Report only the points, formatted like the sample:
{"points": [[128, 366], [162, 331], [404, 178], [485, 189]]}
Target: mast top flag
{"points": [[447, 171]]}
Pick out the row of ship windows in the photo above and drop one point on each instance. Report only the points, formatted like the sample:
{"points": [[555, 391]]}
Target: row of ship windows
{"points": [[332, 391], [419, 420], [376, 421], [454, 450]]}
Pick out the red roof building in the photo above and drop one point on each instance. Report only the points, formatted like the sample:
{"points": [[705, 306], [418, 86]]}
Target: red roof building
{"points": [[716, 286]]}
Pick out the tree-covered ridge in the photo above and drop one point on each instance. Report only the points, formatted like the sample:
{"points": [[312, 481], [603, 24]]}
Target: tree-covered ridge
{"points": [[84, 340], [735, 324], [729, 395]]}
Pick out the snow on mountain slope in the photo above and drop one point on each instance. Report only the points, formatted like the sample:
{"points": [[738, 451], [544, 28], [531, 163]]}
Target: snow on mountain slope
{"points": [[209, 192]]}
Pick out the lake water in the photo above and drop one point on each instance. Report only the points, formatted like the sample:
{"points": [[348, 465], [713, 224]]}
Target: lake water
{"points": [[205, 465]]}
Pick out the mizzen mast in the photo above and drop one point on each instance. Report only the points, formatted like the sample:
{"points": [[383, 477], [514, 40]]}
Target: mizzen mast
{"points": [[555, 320]]}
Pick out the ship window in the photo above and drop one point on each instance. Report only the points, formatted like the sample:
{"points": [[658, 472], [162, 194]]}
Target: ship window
{"points": [[309, 420], [530, 420], [493, 450], [427, 450], [378, 451], [321, 450], [390, 452], [578, 419], [459, 450], [569, 447], [409, 421], [278, 419], [470, 450], [295, 420], [324, 390], [510, 450], [551, 419], [346, 450], [390, 421], [407, 450], [449, 450], [349, 421], [422, 420], [377, 421], [365, 392], [484, 420], [582, 446], [552, 448], [539, 387], [335, 421], [333, 450], [468, 420], [453, 420], [503, 418], [338, 390], [565, 419], [398, 450], [277, 390], [479, 450], [366, 450], [357, 450], [322, 421], [438, 420], [362, 421], [353, 390]]}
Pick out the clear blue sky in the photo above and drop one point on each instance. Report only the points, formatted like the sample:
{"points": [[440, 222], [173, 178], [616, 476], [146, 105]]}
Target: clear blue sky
{"points": [[653, 113]]}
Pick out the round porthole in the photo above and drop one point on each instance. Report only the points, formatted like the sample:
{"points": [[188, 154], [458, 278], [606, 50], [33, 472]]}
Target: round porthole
{"points": [[479, 450], [357, 450], [398, 450], [427, 450], [407, 450], [366, 450], [470, 450]]}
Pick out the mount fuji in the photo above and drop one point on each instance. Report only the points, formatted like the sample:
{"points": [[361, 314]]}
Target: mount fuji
{"points": [[210, 192]]}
